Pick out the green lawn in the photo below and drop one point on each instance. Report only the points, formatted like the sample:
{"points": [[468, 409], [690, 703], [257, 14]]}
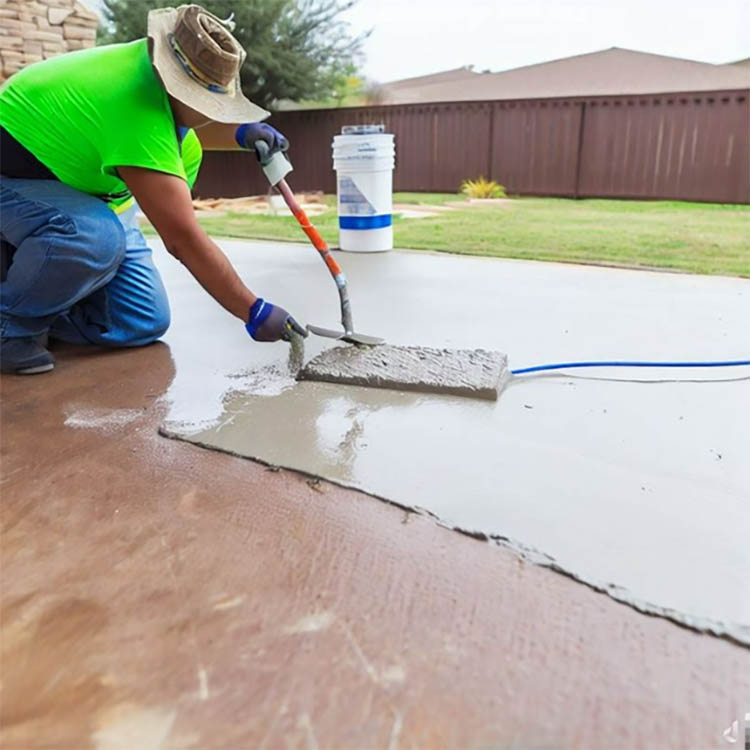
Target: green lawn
{"points": [[694, 237]]}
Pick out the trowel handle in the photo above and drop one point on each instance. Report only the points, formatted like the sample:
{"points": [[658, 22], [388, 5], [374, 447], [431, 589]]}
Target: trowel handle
{"points": [[318, 242], [320, 245]]}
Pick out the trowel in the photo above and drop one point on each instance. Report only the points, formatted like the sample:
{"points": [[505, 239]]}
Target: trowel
{"points": [[276, 167]]}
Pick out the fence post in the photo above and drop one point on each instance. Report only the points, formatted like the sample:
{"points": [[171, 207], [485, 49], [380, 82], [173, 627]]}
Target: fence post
{"points": [[491, 144], [581, 123]]}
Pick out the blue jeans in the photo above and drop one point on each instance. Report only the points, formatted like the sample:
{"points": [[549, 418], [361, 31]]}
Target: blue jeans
{"points": [[79, 271]]}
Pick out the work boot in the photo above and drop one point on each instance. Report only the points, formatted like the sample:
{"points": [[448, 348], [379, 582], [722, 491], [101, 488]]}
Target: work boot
{"points": [[25, 355]]}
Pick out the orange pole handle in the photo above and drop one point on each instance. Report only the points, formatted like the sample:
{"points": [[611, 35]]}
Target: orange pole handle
{"points": [[318, 242]]}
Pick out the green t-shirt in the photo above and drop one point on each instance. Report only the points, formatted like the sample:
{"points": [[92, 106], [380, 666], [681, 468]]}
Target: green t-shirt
{"points": [[86, 113], [192, 155]]}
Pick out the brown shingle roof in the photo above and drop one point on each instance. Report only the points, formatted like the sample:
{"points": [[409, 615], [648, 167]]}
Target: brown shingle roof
{"points": [[445, 76], [607, 72]]}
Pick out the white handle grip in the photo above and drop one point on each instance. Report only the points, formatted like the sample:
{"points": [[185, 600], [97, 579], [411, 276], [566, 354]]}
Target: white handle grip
{"points": [[277, 168]]}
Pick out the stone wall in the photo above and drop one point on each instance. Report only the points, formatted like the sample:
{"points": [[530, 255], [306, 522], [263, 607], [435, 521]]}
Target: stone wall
{"points": [[33, 30]]}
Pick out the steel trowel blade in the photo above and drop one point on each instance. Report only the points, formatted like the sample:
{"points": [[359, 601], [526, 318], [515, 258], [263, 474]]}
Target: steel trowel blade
{"points": [[352, 338]]}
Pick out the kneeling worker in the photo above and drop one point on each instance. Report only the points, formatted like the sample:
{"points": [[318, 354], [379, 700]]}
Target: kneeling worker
{"points": [[84, 134]]}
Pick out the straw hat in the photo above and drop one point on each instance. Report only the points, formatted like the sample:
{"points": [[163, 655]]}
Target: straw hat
{"points": [[199, 61]]}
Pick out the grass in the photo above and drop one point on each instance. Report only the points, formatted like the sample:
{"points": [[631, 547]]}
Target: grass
{"points": [[428, 199], [693, 237]]}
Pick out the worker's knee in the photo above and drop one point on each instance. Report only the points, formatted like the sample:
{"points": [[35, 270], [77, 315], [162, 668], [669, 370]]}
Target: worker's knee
{"points": [[141, 329], [158, 324]]}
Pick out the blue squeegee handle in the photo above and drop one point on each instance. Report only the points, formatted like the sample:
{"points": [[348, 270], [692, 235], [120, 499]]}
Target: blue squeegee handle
{"points": [[619, 363]]}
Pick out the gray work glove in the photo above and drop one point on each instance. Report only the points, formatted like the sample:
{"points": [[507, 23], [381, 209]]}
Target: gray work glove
{"points": [[268, 322]]}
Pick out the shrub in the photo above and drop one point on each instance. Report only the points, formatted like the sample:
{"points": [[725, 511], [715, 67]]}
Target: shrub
{"points": [[482, 188]]}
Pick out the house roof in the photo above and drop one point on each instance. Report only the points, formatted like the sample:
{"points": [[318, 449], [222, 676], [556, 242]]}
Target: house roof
{"points": [[445, 76], [606, 72]]}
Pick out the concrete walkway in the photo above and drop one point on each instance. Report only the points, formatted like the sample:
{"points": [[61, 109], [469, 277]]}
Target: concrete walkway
{"points": [[155, 594]]}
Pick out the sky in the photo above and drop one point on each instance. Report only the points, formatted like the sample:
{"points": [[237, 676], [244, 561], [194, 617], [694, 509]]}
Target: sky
{"points": [[416, 37]]}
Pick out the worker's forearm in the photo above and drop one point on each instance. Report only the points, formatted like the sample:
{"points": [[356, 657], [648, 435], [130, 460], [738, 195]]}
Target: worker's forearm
{"points": [[213, 271]]}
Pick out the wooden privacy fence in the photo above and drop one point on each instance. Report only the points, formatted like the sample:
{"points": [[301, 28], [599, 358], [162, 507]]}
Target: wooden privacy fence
{"points": [[683, 146]]}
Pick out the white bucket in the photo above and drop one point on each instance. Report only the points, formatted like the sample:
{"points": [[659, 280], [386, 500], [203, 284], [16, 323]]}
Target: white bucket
{"points": [[364, 162]]}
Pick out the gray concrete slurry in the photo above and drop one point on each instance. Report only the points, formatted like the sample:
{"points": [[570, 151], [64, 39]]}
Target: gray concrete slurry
{"points": [[638, 487], [474, 373]]}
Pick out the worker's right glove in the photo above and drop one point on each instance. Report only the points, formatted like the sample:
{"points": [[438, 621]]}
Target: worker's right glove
{"points": [[249, 134], [268, 322]]}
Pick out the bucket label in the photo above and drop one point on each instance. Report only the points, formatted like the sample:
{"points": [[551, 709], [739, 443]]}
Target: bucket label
{"points": [[351, 200]]}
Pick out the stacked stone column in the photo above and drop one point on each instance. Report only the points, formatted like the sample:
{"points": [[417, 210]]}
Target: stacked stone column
{"points": [[34, 30]]}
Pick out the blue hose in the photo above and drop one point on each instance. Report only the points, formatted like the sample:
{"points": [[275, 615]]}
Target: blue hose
{"points": [[570, 365]]}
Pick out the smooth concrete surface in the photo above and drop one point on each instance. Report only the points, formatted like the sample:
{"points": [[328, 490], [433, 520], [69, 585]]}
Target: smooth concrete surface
{"points": [[473, 373], [640, 489], [158, 595]]}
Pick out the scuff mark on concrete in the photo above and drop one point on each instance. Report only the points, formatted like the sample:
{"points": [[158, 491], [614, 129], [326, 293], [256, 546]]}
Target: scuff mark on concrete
{"points": [[101, 419], [203, 684], [228, 603], [305, 724], [311, 623], [367, 666], [393, 675], [126, 727], [398, 725]]}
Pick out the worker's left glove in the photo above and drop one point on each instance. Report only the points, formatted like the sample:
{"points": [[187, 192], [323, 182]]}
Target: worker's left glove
{"points": [[249, 133], [268, 322]]}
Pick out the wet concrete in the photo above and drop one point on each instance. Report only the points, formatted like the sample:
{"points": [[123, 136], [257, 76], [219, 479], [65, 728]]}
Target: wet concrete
{"points": [[473, 373], [637, 488], [154, 594]]}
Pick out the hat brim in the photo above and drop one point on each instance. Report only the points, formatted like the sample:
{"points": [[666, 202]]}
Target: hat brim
{"points": [[232, 107]]}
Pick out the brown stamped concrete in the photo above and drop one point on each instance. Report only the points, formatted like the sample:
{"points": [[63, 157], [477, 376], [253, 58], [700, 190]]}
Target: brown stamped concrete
{"points": [[158, 595]]}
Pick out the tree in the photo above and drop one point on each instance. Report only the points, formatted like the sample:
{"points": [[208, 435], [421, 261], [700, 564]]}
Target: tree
{"points": [[296, 49], [348, 87]]}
